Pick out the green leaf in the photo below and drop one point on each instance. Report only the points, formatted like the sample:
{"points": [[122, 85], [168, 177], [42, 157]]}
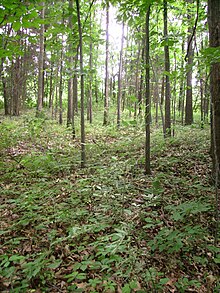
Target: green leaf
{"points": [[16, 258], [163, 281], [81, 276], [16, 26], [217, 259], [126, 289], [55, 264]]}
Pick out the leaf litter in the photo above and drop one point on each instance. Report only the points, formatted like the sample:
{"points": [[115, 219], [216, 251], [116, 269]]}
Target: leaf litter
{"points": [[108, 227]]}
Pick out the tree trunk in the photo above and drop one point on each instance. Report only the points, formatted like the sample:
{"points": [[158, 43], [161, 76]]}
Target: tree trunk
{"points": [[140, 92], [120, 79], [51, 91], [4, 88], [106, 95], [75, 86], [189, 105], [83, 154], [41, 65], [70, 80], [167, 69], [91, 73], [61, 89], [214, 34], [214, 38], [147, 96]]}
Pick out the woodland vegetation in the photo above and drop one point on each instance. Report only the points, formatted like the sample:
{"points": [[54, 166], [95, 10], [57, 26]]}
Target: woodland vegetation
{"points": [[110, 146]]}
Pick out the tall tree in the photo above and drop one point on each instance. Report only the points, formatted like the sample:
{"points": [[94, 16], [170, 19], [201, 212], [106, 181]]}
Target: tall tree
{"points": [[61, 86], [106, 94], [83, 153], [120, 79], [147, 95], [70, 80], [91, 72], [214, 35], [214, 38], [41, 63], [189, 70], [167, 72]]}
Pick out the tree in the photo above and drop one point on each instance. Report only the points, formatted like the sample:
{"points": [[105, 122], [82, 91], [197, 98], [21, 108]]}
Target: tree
{"points": [[83, 154], [91, 72], [70, 80], [189, 71], [106, 94], [214, 39], [41, 64], [120, 79], [147, 95], [167, 73]]}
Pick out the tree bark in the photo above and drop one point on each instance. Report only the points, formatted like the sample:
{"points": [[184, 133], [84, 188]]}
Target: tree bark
{"points": [[106, 94], [214, 39], [147, 96], [83, 154], [120, 80], [167, 69], [189, 103], [91, 73], [41, 65], [70, 80], [61, 89], [214, 34]]}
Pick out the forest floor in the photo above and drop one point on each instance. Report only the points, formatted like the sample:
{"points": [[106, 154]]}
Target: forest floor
{"points": [[107, 227]]}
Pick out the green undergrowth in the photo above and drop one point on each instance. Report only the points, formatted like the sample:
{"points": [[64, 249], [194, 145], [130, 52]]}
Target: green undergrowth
{"points": [[107, 227]]}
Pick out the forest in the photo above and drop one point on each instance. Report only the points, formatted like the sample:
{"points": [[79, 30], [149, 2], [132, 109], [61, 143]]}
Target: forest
{"points": [[109, 146]]}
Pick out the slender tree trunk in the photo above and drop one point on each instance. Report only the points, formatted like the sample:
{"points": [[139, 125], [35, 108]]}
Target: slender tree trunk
{"points": [[106, 95], [137, 79], [4, 88], [41, 65], [147, 96], [140, 92], [70, 80], [161, 106], [75, 84], [201, 87], [51, 91], [120, 80], [181, 88], [61, 89], [83, 154], [91, 72], [174, 96], [189, 103], [167, 69]]}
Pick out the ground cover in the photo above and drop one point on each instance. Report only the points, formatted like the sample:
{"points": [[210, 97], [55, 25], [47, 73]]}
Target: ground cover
{"points": [[107, 227]]}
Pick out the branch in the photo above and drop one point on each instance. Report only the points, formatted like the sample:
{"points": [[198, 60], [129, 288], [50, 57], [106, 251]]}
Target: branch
{"points": [[194, 30], [90, 7]]}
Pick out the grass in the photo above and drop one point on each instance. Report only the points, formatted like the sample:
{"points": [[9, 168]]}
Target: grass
{"points": [[107, 227]]}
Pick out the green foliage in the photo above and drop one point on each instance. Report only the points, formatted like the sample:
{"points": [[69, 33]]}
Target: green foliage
{"points": [[211, 55], [184, 211], [108, 227]]}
